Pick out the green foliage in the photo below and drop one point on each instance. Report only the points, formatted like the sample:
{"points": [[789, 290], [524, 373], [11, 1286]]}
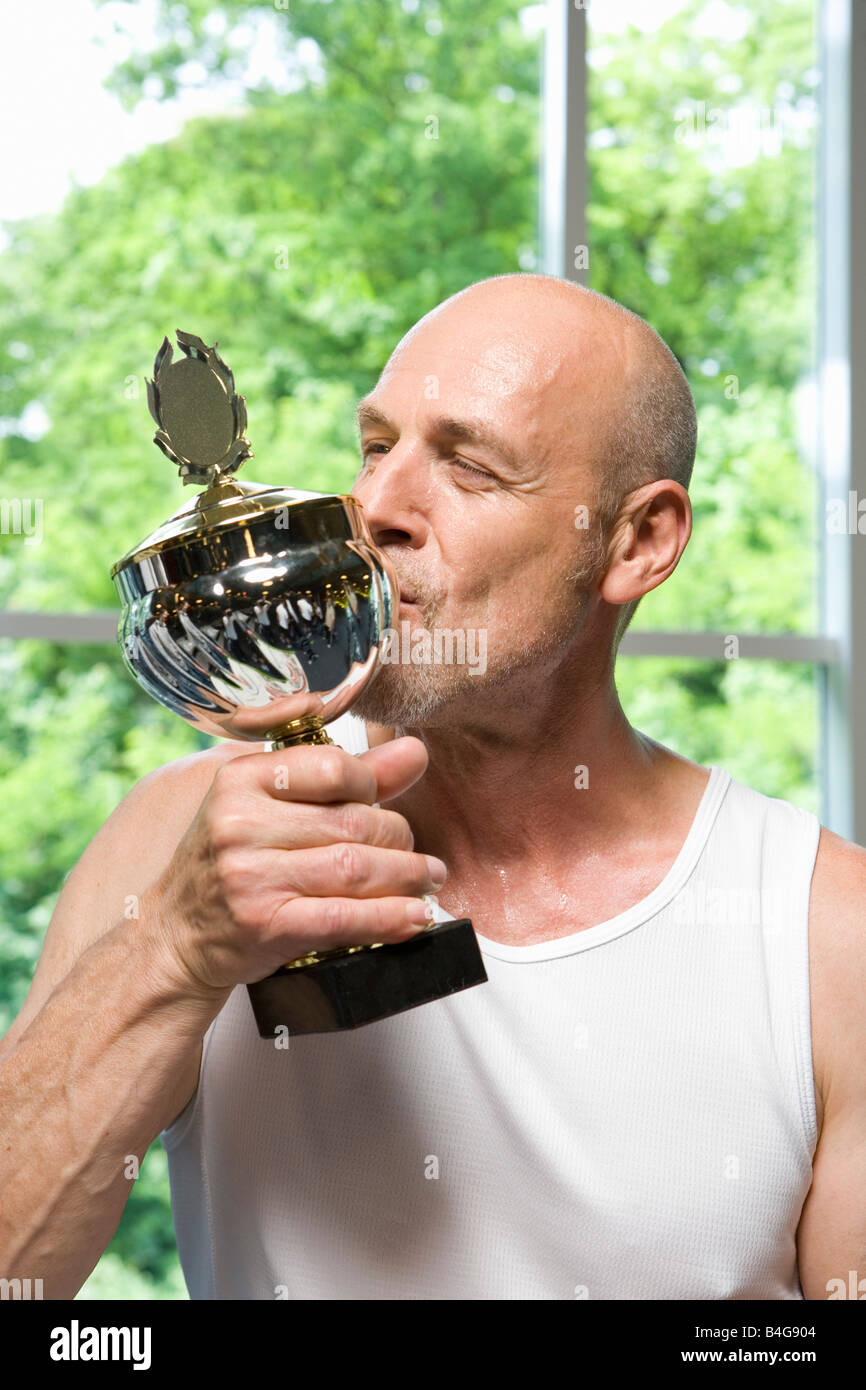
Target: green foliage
{"points": [[141, 1262], [77, 732], [756, 719], [307, 232], [719, 256]]}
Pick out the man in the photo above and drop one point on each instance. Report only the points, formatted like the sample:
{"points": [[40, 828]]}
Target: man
{"points": [[659, 1092]]}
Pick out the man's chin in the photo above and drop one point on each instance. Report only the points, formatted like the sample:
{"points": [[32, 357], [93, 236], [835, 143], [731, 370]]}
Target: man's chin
{"points": [[403, 702], [391, 713]]}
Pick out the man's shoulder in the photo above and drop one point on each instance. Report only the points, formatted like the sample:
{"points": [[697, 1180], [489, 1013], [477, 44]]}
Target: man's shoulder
{"points": [[837, 903], [837, 917], [840, 868], [836, 935], [204, 763], [837, 968], [190, 775]]}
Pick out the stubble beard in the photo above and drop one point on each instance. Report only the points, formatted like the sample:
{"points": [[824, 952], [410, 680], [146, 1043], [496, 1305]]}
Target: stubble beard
{"points": [[410, 694], [430, 693]]}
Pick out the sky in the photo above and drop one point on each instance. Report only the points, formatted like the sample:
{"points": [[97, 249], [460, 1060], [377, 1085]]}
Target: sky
{"points": [[59, 126]]}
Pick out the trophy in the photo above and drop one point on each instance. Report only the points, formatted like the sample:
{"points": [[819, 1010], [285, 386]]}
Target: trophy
{"points": [[258, 613]]}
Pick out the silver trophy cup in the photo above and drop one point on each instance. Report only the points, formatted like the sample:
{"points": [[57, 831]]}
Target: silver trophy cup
{"points": [[259, 613]]}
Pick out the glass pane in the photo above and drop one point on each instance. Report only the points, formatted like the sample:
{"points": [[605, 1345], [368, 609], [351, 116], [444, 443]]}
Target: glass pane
{"points": [[728, 713], [359, 163], [703, 124]]}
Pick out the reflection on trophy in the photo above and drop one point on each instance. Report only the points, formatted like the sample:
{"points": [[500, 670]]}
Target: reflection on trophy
{"points": [[258, 613]]}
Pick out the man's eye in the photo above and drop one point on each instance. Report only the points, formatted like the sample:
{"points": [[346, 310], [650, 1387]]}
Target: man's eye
{"points": [[367, 449], [470, 468]]}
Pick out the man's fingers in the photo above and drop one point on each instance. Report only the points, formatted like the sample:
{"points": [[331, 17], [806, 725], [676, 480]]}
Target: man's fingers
{"points": [[397, 765], [360, 870], [325, 924], [323, 773], [305, 826]]}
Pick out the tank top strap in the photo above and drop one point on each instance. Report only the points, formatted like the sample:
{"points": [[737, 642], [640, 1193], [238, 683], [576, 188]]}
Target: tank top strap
{"points": [[786, 845]]}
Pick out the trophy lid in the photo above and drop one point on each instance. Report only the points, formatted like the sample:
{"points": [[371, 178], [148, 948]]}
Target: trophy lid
{"points": [[201, 423], [225, 504]]}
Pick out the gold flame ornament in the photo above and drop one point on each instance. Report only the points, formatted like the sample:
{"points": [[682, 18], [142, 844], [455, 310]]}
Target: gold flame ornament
{"points": [[201, 417]]}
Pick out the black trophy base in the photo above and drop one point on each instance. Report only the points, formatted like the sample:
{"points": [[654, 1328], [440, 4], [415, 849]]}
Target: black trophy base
{"points": [[349, 991]]}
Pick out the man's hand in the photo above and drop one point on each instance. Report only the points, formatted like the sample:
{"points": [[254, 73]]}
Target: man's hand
{"points": [[288, 854]]}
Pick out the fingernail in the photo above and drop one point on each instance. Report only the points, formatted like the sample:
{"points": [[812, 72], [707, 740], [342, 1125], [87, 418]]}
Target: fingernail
{"points": [[437, 870], [419, 913]]}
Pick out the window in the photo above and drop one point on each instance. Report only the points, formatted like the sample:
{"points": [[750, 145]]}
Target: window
{"points": [[693, 183]]}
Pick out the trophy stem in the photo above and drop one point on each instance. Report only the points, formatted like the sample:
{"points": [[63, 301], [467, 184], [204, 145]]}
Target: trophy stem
{"points": [[298, 731], [309, 730]]}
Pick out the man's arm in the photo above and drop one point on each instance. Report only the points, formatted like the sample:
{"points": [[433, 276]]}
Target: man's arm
{"points": [[831, 1239], [209, 875], [105, 1051]]}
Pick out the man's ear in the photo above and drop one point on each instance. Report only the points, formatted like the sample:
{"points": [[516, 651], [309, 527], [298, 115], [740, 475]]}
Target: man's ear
{"points": [[647, 539]]}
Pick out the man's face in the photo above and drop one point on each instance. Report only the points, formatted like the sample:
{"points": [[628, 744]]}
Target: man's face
{"points": [[477, 447]]}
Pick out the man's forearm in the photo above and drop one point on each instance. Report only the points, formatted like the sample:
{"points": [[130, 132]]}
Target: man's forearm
{"points": [[89, 1084]]}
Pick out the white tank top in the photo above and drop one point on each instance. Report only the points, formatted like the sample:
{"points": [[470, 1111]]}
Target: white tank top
{"points": [[625, 1113]]}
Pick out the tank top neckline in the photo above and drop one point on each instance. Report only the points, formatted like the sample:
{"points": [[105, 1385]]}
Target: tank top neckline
{"points": [[640, 912]]}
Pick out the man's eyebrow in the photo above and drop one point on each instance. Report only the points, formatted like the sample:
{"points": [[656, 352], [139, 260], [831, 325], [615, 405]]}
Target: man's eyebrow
{"points": [[469, 431], [370, 415]]}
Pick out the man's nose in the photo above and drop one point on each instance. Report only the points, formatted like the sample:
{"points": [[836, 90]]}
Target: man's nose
{"points": [[393, 487]]}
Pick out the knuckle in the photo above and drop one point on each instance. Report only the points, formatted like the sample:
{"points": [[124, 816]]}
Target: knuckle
{"points": [[226, 776], [331, 770], [385, 829], [333, 918], [232, 873], [225, 825], [219, 777], [404, 832], [351, 864], [353, 821]]}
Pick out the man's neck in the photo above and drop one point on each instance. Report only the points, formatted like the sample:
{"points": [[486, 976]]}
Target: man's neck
{"points": [[533, 792]]}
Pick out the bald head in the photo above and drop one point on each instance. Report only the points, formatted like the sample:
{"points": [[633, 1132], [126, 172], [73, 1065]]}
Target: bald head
{"points": [[503, 416], [600, 346], [623, 400]]}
